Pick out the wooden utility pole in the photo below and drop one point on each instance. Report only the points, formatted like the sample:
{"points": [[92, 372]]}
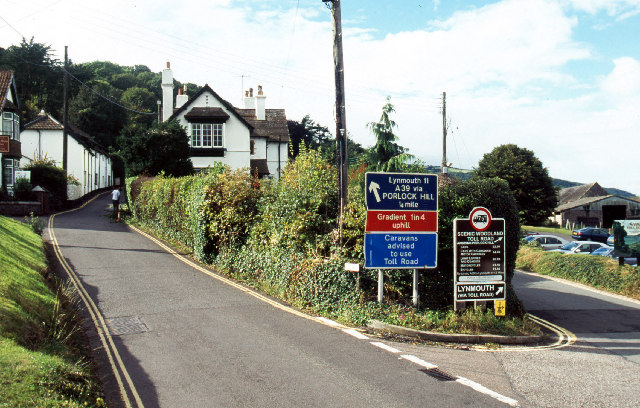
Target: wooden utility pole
{"points": [[444, 133], [65, 108], [341, 125]]}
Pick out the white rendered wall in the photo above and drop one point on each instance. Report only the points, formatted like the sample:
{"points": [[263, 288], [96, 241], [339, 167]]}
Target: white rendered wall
{"points": [[235, 136], [260, 148], [272, 157]]}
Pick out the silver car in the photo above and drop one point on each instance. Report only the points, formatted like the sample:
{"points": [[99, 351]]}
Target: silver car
{"points": [[547, 242], [580, 247]]}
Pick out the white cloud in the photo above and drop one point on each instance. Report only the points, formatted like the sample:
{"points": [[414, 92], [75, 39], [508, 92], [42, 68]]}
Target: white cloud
{"points": [[502, 66]]}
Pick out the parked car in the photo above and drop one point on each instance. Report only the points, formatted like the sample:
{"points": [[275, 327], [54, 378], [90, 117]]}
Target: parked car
{"points": [[609, 252], [580, 247], [610, 240], [547, 242], [591, 234]]}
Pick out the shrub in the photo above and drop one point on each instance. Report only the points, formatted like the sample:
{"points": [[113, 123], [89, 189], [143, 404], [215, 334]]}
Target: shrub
{"points": [[52, 178], [300, 210], [22, 190]]}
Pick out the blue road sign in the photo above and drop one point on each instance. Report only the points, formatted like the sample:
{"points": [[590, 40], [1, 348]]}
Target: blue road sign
{"points": [[401, 191], [400, 250]]}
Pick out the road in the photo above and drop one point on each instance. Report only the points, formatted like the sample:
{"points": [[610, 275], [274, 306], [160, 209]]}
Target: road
{"points": [[178, 336]]}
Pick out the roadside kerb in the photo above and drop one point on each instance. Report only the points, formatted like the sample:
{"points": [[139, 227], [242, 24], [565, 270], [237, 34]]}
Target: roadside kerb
{"points": [[454, 338]]}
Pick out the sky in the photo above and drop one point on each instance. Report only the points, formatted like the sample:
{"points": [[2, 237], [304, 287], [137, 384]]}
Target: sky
{"points": [[558, 77]]}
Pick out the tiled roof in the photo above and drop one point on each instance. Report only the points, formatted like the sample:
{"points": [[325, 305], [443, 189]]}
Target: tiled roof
{"points": [[274, 126], [570, 194], [44, 122], [6, 78]]}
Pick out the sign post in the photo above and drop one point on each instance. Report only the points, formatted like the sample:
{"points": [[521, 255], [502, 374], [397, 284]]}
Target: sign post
{"points": [[402, 224], [479, 257]]}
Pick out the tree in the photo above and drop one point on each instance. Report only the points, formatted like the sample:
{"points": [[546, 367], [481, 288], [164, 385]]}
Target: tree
{"points": [[386, 155], [529, 181], [312, 134], [163, 147], [38, 77]]}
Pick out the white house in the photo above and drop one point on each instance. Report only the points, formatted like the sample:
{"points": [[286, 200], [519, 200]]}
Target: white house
{"points": [[250, 137], [10, 146], [87, 161]]}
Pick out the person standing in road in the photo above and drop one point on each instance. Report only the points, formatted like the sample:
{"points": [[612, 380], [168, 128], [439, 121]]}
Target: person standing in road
{"points": [[115, 199]]}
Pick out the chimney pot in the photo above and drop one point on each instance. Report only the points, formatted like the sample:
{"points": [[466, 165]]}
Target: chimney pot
{"points": [[250, 92], [259, 89], [168, 65]]}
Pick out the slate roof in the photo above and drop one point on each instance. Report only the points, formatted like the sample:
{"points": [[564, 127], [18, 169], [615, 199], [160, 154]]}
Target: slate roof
{"points": [[273, 127], [206, 113], [571, 194], [207, 88], [581, 202]]}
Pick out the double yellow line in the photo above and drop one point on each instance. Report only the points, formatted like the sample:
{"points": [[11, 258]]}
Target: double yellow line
{"points": [[117, 365]]}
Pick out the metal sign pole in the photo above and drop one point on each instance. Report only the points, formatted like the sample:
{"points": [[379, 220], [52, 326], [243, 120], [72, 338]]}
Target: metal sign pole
{"points": [[380, 285], [416, 295]]}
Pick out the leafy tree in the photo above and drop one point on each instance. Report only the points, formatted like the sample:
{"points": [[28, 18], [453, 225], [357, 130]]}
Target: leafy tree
{"points": [[163, 147], [38, 79], [91, 112], [529, 181], [386, 155], [312, 134]]}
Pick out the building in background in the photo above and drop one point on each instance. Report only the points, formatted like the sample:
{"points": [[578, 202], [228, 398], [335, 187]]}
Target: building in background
{"points": [[591, 205], [88, 162], [251, 137]]}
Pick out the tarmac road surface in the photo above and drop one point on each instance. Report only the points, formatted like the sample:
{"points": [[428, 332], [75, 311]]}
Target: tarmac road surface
{"points": [[177, 337]]}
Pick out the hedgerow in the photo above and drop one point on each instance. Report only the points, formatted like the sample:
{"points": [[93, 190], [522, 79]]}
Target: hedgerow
{"points": [[597, 271], [282, 236]]}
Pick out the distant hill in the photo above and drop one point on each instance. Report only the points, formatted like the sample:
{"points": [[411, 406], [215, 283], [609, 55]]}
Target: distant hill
{"points": [[463, 174]]}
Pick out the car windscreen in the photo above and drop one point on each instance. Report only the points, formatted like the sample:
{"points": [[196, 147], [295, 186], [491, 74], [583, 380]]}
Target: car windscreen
{"points": [[601, 251], [569, 246]]}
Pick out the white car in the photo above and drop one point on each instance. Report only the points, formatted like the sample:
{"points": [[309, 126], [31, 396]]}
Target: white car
{"points": [[580, 247], [547, 242]]}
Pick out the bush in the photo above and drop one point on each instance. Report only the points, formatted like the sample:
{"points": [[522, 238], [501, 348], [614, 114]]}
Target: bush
{"points": [[22, 190], [51, 178], [299, 211]]}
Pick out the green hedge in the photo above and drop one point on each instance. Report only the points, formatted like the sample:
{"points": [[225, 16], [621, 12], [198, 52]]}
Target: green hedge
{"points": [[597, 271], [282, 233]]}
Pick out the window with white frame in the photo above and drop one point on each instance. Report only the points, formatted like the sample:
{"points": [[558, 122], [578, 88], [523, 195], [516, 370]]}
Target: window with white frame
{"points": [[206, 135], [9, 168], [11, 125]]}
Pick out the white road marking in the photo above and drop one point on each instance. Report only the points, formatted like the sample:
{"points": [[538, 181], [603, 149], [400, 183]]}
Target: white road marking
{"points": [[329, 322], [385, 347], [418, 361], [484, 390], [355, 334]]}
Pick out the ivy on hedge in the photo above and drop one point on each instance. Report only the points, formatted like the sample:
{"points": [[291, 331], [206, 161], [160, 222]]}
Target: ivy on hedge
{"points": [[281, 235]]}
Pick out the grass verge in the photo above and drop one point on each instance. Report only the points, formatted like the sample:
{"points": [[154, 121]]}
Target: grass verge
{"points": [[41, 355], [597, 271], [548, 230]]}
